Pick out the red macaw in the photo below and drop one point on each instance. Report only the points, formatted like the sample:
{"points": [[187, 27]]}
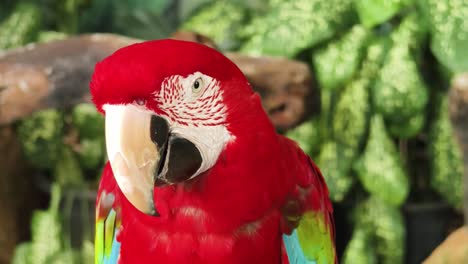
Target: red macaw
{"points": [[196, 171]]}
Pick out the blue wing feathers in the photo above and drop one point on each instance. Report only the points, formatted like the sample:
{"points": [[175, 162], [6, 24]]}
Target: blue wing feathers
{"points": [[294, 250]]}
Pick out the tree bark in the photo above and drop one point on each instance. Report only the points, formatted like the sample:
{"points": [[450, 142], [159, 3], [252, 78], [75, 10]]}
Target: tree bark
{"points": [[286, 87], [18, 197], [54, 74], [57, 74]]}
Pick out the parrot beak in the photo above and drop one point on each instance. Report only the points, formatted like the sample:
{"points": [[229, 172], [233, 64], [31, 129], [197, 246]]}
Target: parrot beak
{"points": [[143, 153], [134, 151]]}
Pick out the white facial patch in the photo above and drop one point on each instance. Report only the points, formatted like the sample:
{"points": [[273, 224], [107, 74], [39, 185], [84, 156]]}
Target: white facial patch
{"points": [[189, 106], [194, 109], [210, 141]]}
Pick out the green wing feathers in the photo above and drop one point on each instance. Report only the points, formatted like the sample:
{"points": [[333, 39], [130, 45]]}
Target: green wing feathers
{"points": [[107, 248], [316, 237], [108, 220], [313, 240]]}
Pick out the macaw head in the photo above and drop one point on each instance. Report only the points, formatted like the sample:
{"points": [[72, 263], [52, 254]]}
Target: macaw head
{"points": [[171, 107]]}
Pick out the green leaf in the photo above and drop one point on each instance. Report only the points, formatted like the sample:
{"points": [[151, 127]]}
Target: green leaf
{"points": [[97, 17], [91, 153], [292, 26], [65, 257], [46, 230], [46, 234], [67, 172], [68, 13], [327, 103], [445, 156], [307, 135], [411, 32], [374, 12], [380, 168], [88, 121], [350, 119], [399, 92], [334, 161], [336, 63], [220, 20], [156, 6], [41, 137], [21, 26], [407, 127], [56, 196], [46, 240], [188, 7], [375, 56], [449, 26], [360, 248], [87, 252], [143, 19], [47, 36], [386, 225], [22, 254]]}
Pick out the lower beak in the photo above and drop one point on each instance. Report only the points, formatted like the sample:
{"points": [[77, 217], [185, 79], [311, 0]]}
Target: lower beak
{"points": [[134, 140]]}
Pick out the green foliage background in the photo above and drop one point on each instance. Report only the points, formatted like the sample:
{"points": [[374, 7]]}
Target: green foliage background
{"points": [[383, 68]]}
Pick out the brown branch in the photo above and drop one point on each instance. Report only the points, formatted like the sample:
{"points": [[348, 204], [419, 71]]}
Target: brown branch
{"points": [[285, 86], [57, 74], [54, 74]]}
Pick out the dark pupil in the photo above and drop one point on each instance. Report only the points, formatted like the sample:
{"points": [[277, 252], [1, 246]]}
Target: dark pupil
{"points": [[196, 84]]}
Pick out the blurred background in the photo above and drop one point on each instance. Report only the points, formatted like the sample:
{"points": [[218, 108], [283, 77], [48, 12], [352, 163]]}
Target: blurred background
{"points": [[375, 91]]}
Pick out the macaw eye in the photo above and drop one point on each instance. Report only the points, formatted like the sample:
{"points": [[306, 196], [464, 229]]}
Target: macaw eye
{"points": [[197, 85]]}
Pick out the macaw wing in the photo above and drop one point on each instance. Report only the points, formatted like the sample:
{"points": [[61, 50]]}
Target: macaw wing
{"points": [[313, 241], [106, 246]]}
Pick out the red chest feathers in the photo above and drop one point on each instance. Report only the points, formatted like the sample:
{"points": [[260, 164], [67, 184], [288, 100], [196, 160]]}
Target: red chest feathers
{"points": [[192, 235], [229, 216]]}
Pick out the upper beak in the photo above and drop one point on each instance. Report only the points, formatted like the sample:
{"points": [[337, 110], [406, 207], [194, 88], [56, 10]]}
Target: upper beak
{"points": [[132, 153], [143, 153]]}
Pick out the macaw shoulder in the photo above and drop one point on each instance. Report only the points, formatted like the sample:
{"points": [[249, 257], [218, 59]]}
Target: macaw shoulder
{"points": [[299, 165], [312, 240]]}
